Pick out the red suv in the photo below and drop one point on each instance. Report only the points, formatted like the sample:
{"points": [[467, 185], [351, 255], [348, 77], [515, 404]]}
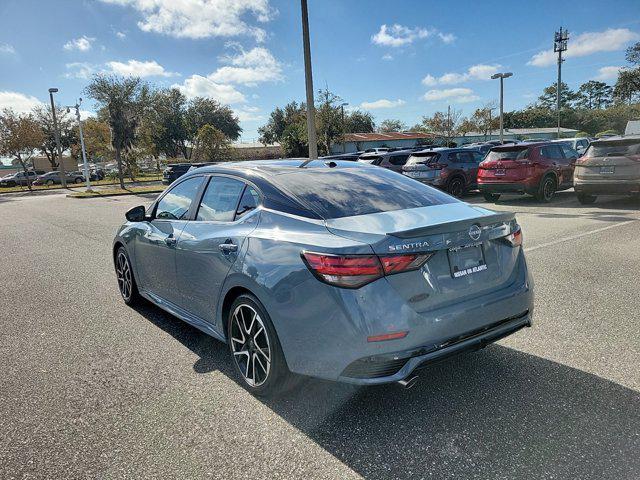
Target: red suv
{"points": [[539, 169]]}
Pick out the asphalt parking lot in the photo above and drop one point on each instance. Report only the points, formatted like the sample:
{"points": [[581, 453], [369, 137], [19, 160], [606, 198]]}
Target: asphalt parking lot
{"points": [[92, 388]]}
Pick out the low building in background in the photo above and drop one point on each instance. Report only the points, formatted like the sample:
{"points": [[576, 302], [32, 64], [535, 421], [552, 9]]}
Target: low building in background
{"points": [[355, 142]]}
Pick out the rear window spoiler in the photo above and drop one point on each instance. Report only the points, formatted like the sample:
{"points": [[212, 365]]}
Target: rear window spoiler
{"points": [[456, 226]]}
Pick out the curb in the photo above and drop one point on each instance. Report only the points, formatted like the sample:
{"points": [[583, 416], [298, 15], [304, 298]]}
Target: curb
{"points": [[71, 195]]}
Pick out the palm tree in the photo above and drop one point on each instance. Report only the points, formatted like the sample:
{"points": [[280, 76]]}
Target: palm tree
{"points": [[119, 98]]}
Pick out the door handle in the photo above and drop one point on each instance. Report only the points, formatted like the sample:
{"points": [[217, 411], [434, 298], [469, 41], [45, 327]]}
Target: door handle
{"points": [[170, 241], [228, 247]]}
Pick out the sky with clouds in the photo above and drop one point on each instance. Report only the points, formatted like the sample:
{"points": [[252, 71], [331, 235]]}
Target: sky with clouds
{"points": [[400, 59]]}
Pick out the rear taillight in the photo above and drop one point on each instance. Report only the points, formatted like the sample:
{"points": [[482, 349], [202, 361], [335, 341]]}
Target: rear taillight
{"points": [[514, 238], [354, 271]]}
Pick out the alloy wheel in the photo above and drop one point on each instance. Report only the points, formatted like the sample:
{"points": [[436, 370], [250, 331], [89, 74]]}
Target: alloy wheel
{"points": [[456, 187], [123, 273], [250, 345], [548, 189]]}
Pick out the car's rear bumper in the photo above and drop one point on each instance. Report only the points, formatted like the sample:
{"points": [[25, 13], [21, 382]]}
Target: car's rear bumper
{"points": [[397, 366], [503, 187], [606, 186]]}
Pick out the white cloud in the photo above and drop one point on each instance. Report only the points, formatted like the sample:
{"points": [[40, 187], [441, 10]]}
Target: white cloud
{"points": [[447, 37], [587, 43], [80, 70], [18, 102], [200, 18], [7, 49], [82, 44], [249, 68], [608, 73], [248, 114], [455, 95], [136, 68], [387, 57], [398, 35], [121, 35], [199, 86], [475, 72], [382, 103]]}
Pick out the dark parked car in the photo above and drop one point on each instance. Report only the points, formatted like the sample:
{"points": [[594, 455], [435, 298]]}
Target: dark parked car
{"points": [[174, 171], [351, 157], [538, 169], [451, 169], [393, 160], [53, 178], [609, 167], [19, 178]]}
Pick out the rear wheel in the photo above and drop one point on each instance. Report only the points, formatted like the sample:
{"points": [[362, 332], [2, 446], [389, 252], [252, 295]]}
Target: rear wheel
{"points": [[255, 349], [491, 197], [546, 190], [456, 187], [586, 199], [126, 281], [49, 183], [78, 180]]}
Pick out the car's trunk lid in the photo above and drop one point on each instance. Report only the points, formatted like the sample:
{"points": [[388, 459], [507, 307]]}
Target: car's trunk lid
{"points": [[462, 238], [615, 160]]}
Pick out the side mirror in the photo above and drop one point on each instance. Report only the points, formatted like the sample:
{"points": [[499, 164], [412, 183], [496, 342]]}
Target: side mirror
{"points": [[136, 214]]}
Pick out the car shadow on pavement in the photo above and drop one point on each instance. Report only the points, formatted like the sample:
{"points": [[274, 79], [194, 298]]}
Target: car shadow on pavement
{"points": [[496, 413]]}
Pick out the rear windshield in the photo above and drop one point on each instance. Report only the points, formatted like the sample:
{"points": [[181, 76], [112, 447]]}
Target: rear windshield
{"points": [[422, 158], [616, 148], [337, 193], [512, 153]]}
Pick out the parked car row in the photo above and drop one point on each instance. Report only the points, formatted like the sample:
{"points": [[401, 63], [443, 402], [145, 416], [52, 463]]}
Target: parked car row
{"points": [[39, 177]]}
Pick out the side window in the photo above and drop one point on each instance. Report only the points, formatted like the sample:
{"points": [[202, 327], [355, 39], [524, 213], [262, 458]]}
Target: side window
{"points": [[176, 203], [398, 159], [220, 200], [249, 201], [453, 157], [551, 151], [465, 157], [568, 151], [477, 157]]}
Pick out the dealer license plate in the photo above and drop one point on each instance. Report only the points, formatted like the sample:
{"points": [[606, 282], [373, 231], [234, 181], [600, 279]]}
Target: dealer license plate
{"points": [[466, 260]]}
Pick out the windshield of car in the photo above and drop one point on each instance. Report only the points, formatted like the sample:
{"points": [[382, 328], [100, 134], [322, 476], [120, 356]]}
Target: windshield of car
{"points": [[338, 193], [614, 148], [418, 158], [510, 153]]}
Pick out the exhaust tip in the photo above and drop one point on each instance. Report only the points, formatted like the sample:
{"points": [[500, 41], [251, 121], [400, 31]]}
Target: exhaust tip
{"points": [[408, 383]]}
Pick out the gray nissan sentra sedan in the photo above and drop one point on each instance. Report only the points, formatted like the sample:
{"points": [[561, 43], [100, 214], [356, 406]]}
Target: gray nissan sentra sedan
{"points": [[335, 270]]}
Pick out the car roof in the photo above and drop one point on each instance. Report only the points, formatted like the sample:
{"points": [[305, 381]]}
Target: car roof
{"points": [[617, 137]]}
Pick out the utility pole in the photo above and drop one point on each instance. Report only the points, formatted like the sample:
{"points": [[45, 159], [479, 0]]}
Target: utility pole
{"points": [[501, 76], [61, 172], [560, 45], [344, 146], [311, 110], [84, 153]]}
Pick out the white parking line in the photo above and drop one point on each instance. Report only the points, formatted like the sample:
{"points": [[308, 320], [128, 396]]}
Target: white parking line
{"points": [[578, 235]]}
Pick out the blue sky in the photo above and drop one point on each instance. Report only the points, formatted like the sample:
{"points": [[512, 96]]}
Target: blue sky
{"points": [[400, 59]]}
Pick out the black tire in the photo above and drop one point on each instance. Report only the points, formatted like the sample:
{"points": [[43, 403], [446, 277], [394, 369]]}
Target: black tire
{"points": [[126, 281], [586, 199], [456, 187], [491, 197], [248, 344], [48, 183], [78, 180], [546, 189]]}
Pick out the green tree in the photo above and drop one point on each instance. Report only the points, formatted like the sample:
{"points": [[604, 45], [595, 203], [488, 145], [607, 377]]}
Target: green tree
{"points": [[329, 126], [294, 140], [205, 111], [594, 94], [66, 126], [211, 145], [279, 120], [627, 88], [97, 139], [358, 121], [20, 137], [484, 120], [548, 99], [444, 125], [119, 99], [392, 125]]}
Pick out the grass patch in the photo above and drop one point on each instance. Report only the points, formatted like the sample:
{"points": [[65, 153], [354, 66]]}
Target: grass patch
{"points": [[112, 192], [106, 181]]}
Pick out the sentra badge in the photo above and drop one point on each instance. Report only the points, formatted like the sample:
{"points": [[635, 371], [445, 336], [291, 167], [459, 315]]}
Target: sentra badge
{"points": [[407, 246]]}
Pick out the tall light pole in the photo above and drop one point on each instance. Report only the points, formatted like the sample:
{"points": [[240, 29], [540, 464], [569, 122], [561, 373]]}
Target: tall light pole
{"points": [[344, 147], [63, 176], [501, 76], [84, 153], [560, 45], [311, 109]]}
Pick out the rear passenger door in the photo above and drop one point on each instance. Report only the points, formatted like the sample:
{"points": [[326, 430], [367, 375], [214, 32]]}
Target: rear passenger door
{"points": [[553, 158], [212, 241]]}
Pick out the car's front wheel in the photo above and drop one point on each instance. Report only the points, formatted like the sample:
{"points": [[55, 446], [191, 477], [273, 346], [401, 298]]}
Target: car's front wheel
{"points": [[491, 197], [255, 348], [126, 281], [48, 183]]}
